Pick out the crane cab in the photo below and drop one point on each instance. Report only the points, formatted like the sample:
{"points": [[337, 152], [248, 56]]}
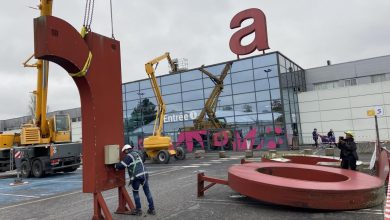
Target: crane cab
{"points": [[60, 128]]}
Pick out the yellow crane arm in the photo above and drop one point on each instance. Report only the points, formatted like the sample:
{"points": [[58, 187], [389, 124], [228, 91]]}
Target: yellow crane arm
{"points": [[211, 103], [150, 70], [42, 66]]}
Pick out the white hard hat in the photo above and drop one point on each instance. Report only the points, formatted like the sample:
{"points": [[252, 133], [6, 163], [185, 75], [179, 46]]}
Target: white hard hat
{"points": [[126, 147]]}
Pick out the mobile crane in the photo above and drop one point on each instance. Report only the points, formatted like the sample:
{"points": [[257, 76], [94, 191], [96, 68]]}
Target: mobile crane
{"points": [[157, 146], [45, 144], [209, 109]]}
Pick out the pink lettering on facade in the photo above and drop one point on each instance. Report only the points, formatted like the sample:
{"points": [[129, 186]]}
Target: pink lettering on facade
{"points": [[261, 145], [242, 145], [187, 138], [258, 27], [271, 144], [220, 138]]}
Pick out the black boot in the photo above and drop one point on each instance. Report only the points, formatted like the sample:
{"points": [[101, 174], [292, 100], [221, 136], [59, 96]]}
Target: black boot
{"points": [[151, 212], [137, 212]]}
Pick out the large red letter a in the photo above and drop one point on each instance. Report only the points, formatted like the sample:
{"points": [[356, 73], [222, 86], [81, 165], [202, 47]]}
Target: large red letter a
{"points": [[259, 27]]}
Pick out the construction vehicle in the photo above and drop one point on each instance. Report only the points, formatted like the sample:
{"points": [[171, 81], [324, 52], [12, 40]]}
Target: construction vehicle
{"points": [[44, 144], [212, 123], [158, 146]]}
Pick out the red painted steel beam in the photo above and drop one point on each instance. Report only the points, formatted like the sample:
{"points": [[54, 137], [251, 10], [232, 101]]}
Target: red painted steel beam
{"points": [[202, 179], [101, 101], [100, 93], [306, 186], [383, 165], [309, 159]]}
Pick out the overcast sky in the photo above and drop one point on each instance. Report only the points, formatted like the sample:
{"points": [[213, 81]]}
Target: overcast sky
{"points": [[307, 31]]}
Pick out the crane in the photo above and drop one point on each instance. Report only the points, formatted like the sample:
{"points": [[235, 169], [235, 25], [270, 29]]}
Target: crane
{"points": [[45, 143], [157, 146]]}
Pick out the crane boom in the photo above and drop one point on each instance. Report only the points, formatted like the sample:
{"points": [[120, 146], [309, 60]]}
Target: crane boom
{"points": [[42, 81], [211, 103], [150, 70], [43, 130]]}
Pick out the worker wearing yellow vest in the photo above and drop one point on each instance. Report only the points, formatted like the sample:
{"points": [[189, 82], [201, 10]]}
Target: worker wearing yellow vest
{"points": [[138, 176]]}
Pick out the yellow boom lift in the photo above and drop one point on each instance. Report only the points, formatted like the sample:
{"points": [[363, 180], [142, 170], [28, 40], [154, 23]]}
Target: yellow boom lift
{"points": [[157, 146], [212, 122], [44, 143]]}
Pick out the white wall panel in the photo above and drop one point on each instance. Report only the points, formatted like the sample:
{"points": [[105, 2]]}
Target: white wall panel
{"points": [[308, 96], [341, 125], [364, 124], [386, 86], [367, 89], [308, 127], [334, 104], [387, 111], [386, 98], [310, 117], [309, 106], [367, 100], [333, 94], [340, 114]]}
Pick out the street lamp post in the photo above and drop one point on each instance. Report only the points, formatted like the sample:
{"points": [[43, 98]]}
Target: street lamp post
{"points": [[140, 94], [267, 71]]}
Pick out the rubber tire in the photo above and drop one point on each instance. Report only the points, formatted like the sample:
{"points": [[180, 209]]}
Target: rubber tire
{"points": [[163, 156], [180, 154], [37, 169], [25, 169]]}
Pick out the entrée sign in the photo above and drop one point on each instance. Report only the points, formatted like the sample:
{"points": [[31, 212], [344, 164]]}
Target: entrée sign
{"points": [[259, 27], [180, 117]]}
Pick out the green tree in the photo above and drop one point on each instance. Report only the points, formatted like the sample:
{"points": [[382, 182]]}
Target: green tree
{"points": [[144, 113], [247, 108]]}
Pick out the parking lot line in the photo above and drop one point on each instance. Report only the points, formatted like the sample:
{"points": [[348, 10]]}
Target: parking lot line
{"points": [[39, 200], [185, 177], [7, 194], [168, 171]]}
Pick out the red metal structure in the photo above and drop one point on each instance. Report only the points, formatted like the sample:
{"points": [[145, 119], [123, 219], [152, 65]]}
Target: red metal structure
{"points": [[101, 101], [303, 185]]}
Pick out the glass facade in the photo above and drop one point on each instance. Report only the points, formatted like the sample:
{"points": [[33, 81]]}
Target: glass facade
{"points": [[258, 102]]}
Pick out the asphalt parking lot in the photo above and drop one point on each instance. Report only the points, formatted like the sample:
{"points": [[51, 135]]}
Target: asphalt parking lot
{"points": [[174, 190]]}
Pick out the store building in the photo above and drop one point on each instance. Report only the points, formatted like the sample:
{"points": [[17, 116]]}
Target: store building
{"points": [[268, 102], [259, 102]]}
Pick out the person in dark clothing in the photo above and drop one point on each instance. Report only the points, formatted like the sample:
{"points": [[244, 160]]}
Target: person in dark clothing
{"points": [[348, 154], [315, 137], [138, 176], [331, 138]]}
